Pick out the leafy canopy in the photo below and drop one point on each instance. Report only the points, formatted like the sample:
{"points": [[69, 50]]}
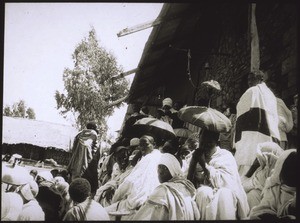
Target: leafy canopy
{"points": [[19, 109], [89, 87]]}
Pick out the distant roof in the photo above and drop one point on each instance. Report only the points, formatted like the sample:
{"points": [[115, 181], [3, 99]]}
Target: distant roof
{"points": [[39, 133]]}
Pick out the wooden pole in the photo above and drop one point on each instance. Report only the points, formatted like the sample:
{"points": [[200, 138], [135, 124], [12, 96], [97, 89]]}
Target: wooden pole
{"points": [[139, 27]]}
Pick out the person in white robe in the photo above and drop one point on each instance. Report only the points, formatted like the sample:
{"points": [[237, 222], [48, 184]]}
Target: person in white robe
{"points": [[31, 210], [267, 155], [173, 199], [140, 183], [257, 121], [121, 170], [279, 193], [221, 195]]}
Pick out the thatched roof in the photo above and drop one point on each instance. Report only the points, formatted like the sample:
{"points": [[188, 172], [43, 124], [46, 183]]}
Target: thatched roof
{"points": [[39, 133]]}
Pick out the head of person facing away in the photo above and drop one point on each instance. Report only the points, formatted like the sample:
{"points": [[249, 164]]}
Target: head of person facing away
{"points": [[29, 191], [168, 168], [288, 174], [92, 125], [79, 190], [255, 77], [208, 141], [146, 144]]}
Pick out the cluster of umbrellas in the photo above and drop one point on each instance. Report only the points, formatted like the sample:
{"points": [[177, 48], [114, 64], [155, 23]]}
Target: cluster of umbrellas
{"points": [[205, 117]]}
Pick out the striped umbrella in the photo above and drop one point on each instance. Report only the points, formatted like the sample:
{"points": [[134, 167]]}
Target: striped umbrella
{"points": [[206, 118], [160, 130], [183, 133]]}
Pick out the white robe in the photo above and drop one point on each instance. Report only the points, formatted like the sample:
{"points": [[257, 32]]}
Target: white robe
{"points": [[267, 155], [259, 104], [136, 187], [227, 185], [276, 196], [173, 200]]}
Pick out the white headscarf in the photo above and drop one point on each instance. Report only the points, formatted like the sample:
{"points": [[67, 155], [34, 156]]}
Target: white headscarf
{"points": [[267, 153], [30, 190], [274, 179], [171, 162]]}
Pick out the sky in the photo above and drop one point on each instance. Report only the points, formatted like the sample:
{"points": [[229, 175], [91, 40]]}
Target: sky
{"points": [[40, 38]]}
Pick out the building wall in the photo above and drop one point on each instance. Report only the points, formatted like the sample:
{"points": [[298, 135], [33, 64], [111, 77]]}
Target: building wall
{"points": [[229, 63], [36, 153]]}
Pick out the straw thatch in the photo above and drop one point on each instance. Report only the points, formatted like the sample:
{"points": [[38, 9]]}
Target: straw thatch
{"points": [[38, 133]]}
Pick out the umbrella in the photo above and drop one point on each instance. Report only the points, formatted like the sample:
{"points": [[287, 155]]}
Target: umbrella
{"points": [[160, 130], [130, 122], [206, 118], [183, 133], [15, 175], [212, 84]]}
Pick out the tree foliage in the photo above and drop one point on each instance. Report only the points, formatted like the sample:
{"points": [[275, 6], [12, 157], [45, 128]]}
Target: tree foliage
{"points": [[88, 86], [19, 109]]}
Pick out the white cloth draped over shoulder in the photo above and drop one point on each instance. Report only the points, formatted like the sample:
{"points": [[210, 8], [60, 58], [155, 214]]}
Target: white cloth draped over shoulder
{"points": [[138, 185], [276, 196], [267, 155], [172, 200], [285, 119], [257, 122], [224, 174]]}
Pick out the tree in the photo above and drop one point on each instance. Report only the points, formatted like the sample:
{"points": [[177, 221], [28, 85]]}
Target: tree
{"points": [[30, 113], [88, 86], [19, 109]]}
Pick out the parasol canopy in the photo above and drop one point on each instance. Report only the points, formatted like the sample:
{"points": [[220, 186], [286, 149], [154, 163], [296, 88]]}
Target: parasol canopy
{"points": [[160, 130], [206, 118], [15, 175], [212, 84], [183, 133], [130, 122]]}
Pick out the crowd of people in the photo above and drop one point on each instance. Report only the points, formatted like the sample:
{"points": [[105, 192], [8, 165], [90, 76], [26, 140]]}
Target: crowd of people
{"points": [[248, 172]]}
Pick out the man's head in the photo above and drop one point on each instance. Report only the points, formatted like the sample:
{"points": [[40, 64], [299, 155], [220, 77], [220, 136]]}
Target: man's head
{"points": [[146, 144], [79, 190], [92, 125], [167, 103], [134, 143], [168, 167], [122, 157], [255, 77], [209, 139], [171, 146]]}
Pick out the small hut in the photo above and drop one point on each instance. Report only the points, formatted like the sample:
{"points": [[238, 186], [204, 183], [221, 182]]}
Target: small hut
{"points": [[37, 140]]}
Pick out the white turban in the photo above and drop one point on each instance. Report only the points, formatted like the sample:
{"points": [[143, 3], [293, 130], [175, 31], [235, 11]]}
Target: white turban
{"points": [[171, 162], [167, 101]]}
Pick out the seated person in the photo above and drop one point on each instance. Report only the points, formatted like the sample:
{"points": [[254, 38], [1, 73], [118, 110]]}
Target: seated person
{"points": [[221, 195], [279, 193], [121, 170], [140, 183], [167, 111], [173, 199], [50, 207], [31, 210], [267, 155], [85, 208]]}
